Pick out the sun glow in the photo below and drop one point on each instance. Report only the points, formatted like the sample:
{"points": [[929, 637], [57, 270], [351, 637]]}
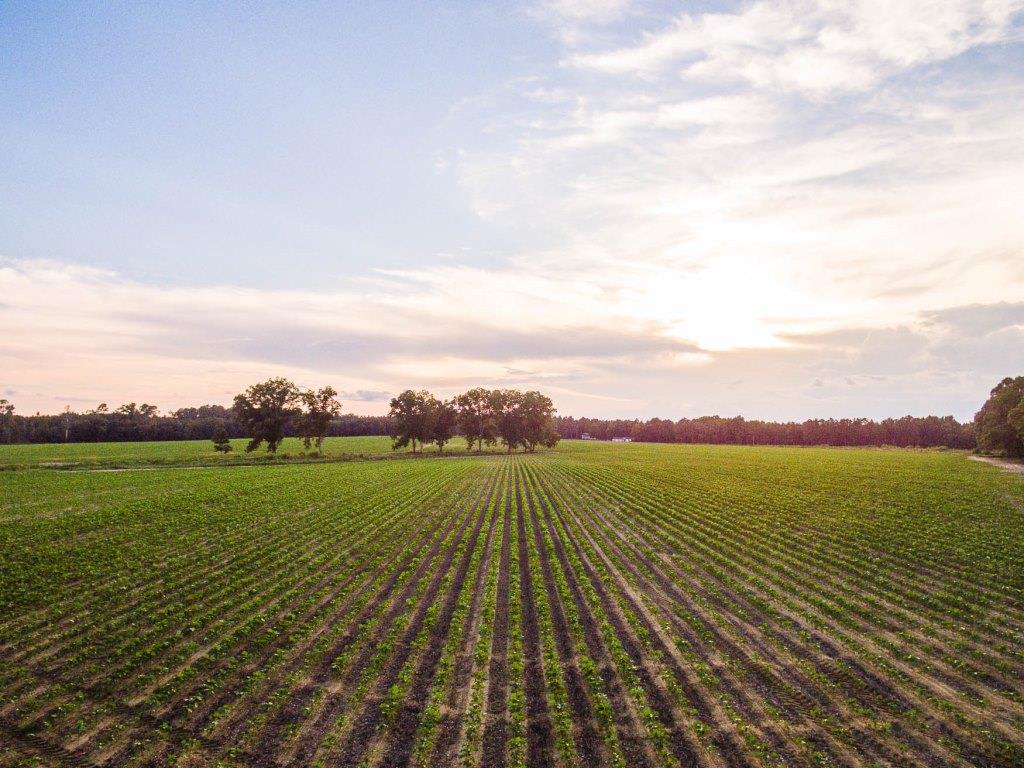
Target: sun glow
{"points": [[729, 305]]}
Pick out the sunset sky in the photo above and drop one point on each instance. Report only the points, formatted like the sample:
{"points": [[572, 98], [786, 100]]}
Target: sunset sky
{"points": [[783, 210]]}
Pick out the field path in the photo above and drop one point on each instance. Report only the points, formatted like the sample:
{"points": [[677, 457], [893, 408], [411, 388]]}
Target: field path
{"points": [[1010, 466]]}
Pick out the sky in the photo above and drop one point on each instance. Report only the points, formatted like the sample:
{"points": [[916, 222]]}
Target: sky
{"points": [[785, 210]]}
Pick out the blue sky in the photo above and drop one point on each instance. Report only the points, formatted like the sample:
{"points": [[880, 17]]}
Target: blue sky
{"points": [[780, 209], [210, 142]]}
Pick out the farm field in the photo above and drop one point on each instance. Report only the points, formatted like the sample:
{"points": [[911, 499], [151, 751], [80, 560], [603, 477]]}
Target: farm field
{"points": [[189, 452], [595, 605]]}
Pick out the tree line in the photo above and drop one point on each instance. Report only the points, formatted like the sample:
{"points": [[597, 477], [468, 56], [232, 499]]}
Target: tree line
{"points": [[271, 410], [905, 432], [130, 423]]}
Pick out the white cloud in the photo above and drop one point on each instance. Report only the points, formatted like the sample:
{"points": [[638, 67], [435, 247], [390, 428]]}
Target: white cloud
{"points": [[599, 11], [814, 47], [691, 218], [693, 184], [96, 336]]}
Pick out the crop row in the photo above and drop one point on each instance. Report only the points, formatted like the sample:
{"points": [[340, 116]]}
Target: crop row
{"points": [[639, 607]]}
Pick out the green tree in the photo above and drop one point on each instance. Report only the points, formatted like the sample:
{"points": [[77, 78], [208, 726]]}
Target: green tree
{"points": [[412, 417], [1016, 419], [267, 410], [320, 407], [221, 441], [523, 419], [476, 417], [537, 414], [508, 418], [7, 420], [128, 410], [1000, 422], [445, 422]]}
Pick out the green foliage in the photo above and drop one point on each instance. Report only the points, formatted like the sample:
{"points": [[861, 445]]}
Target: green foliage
{"points": [[520, 419], [476, 417], [523, 419], [221, 441], [267, 411], [703, 604], [1000, 422], [6, 421], [445, 422], [413, 418], [320, 407]]}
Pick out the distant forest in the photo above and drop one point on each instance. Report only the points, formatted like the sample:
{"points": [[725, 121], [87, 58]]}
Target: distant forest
{"points": [[905, 432], [135, 423], [143, 422]]}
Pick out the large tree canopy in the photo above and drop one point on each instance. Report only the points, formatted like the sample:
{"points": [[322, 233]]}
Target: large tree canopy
{"points": [[521, 420], [413, 415], [1000, 422], [476, 418], [320, 407], [267, 410]]}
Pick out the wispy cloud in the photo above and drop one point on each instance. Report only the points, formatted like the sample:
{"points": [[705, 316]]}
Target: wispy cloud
{"points": [[573, 20], [781, 209], [110, 336], [814, 47]]}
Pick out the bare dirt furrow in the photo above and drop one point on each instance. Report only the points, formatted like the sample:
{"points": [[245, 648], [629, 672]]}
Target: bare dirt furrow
{"points": [[540, 740], [401, 740], [187, 722], [336, 702], [636, 751], [40, 749], [449, 729], [721, 653], [683, 746], [965, 743], [589, 744], [87, 622], [792, 691], [495, 732]]}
